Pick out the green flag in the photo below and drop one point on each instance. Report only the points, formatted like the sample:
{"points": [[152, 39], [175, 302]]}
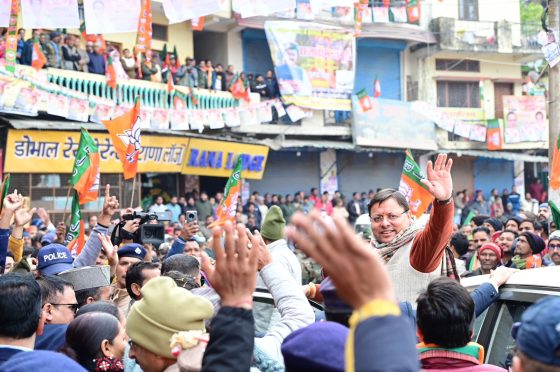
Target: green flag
{"points": [[555, 213], [163, 54], [228, 206], [85, 174], [75, 234], [469, 218], [5, 189]]}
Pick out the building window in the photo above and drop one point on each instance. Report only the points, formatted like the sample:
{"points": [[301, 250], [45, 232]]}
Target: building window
{"points": [[468, 10], [458, 94], [159, 32], [457, 65]]}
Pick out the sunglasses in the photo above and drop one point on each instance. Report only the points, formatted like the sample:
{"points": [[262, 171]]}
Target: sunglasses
{"points": [[73, 307]]}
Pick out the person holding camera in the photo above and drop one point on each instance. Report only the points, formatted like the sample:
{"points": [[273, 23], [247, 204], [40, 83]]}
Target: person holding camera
{"points": [[185, 242]]}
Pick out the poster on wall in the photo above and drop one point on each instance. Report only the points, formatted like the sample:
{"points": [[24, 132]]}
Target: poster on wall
{"points": [[525, 119], [314, 63]]}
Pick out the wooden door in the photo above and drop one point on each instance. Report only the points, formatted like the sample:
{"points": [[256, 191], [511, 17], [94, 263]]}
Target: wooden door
{"points": [[500, 90]]}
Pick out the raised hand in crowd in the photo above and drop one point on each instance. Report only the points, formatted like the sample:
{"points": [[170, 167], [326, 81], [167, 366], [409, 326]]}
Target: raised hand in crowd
{"points": [[189, 230], [264, 256], [12, 202], [438, 178], [110, 251], [22, 217], [357, 272], [44, 216], [110, 206], [60, 232], [233, 277], [501, 275]]}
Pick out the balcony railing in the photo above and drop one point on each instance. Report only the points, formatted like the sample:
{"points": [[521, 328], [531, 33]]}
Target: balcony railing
{"points": [[485, 36], [152, 94]]}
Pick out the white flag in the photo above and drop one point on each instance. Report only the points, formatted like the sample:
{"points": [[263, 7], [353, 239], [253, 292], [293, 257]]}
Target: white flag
{"points": [[252, 8], [50, 14], [5, 6], [183, 10], [110, 17]]}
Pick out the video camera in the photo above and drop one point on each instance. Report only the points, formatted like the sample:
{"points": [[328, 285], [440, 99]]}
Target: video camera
{"points": [[150, 231]]}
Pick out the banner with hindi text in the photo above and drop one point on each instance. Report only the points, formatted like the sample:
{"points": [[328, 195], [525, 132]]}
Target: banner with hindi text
{"points": [[314, 63]]}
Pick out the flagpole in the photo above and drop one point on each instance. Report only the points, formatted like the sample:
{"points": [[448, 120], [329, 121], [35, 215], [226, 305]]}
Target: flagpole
{"points": [[133, 189], [66, 205]]}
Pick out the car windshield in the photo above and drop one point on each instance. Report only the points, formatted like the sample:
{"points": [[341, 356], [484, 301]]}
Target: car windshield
{"points": [[500, 351]]}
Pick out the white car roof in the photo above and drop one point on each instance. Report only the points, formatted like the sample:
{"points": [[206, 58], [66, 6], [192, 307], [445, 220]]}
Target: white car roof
{"points": [[541, 277]]}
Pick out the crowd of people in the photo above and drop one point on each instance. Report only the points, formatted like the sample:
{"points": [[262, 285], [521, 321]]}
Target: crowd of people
{"points": [[393, 302], [65, 51]]}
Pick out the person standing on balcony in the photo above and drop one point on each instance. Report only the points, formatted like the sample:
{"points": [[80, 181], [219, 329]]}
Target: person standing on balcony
{"points": [[230, 75], [272, 84], [148, 69], [219, 79], [202, 83], [27, 52], [261, 87], [156, 63], [84, 58], [209, 74], [70, 55], [96, 63], [129, 64], [54, 50]]}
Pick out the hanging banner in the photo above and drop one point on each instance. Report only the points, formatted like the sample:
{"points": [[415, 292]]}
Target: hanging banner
{"points": [[109, 17], [494, 135], [251, 8], [50, 14], [11, 40], [391, 123], [144, 35], [102, 109], [78, 108], [525, 119], [183, 10], [329, 171], [197, 24], [5, 7], [314, 64]]}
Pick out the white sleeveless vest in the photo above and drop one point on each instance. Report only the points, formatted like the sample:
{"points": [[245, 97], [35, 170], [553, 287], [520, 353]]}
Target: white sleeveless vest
{"points": [[408, 281]]}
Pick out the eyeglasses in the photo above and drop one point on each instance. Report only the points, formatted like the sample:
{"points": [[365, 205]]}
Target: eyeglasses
{"points": [[553, 246], [391, 217], [73, 307]]}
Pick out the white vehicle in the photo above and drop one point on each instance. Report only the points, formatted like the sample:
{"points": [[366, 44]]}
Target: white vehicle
{"points": [[493, 327]]}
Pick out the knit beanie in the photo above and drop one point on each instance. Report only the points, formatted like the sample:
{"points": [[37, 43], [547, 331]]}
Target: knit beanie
{"points": [[491, 247], [273, 224], [150, 323], [554, 236], [495, 223], [535, 242]]}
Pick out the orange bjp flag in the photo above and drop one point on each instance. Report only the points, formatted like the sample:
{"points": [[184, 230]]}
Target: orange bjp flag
{"points": [[111, 74], [125, 135], [38, 59], [555, 167], [416, 193]]}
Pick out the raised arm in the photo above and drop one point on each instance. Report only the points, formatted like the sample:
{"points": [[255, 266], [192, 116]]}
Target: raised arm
{"points": [[91, 250], [429, 245], [12, 202]]}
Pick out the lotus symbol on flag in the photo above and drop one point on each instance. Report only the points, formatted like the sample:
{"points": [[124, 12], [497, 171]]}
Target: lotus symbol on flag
{"points": [[131, 139]]}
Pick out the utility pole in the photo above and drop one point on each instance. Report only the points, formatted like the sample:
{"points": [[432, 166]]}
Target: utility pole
{"points": [[553, 100]]}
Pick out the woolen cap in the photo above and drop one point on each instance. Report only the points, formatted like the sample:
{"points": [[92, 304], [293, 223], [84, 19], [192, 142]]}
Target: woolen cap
{"points": [[491, 247], [273, 224], [535, 242], [318, 347], [538, 333], [554, 236], [164, 310]]}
